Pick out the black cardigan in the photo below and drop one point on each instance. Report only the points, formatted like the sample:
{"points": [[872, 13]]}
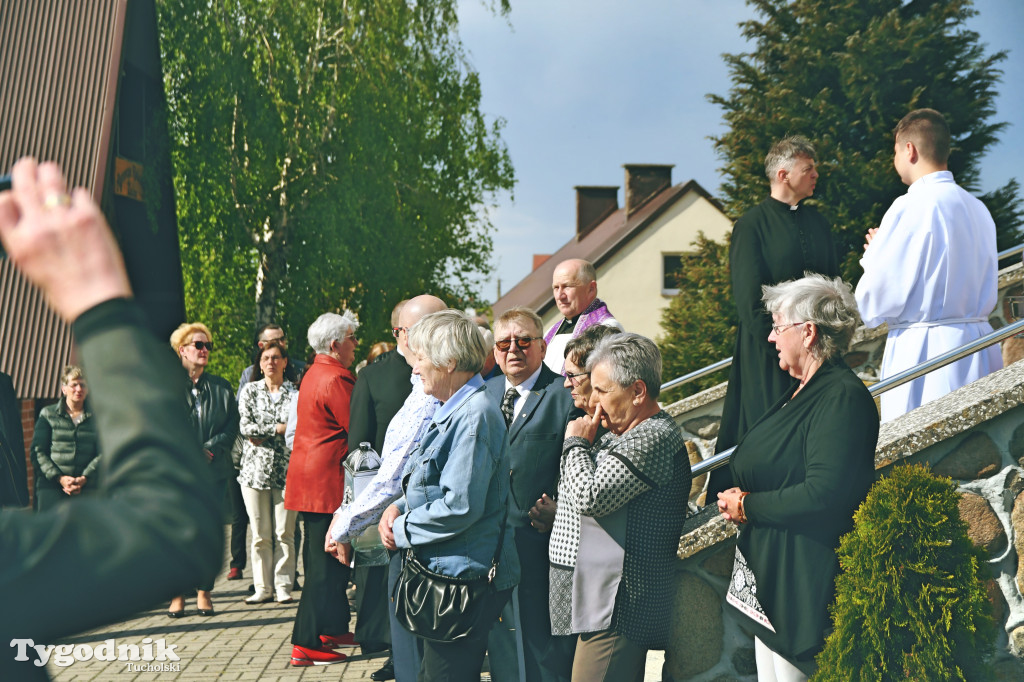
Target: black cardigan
{"points": [[807, 464]]}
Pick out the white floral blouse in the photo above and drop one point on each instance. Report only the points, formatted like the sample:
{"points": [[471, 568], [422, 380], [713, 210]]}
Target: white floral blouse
{"points": [[264, 466]]}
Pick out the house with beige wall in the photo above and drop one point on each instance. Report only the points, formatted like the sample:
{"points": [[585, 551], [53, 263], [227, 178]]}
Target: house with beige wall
{"points": [[635, 248]]}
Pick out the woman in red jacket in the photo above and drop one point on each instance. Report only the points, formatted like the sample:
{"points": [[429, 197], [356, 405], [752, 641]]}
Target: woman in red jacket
{"points": [[316, 484]]}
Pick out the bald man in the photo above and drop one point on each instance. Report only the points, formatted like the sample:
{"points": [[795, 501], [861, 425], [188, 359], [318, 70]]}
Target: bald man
{"points": [[574, 287]]}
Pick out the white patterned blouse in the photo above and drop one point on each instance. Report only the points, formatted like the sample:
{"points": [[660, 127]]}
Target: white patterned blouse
{"points": [[264, 466]]}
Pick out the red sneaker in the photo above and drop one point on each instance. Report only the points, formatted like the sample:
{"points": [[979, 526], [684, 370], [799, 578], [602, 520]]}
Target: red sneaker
{"points": [[348, 639], [304, 656], [235, 574]]}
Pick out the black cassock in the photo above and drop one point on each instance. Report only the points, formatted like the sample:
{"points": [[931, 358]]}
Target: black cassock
{"points": [[771, 243]]}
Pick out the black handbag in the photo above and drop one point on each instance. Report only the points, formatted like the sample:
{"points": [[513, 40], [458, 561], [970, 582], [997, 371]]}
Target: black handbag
{"points": [[441, 608]]}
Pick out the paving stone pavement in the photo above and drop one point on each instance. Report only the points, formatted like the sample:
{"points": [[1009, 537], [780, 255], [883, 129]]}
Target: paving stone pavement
{"points": [[239, 642]]}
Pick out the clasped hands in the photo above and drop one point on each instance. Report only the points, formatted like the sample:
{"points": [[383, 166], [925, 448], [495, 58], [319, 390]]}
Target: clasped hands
{"points": [[72, 485], [870, 237], [729, 505]]}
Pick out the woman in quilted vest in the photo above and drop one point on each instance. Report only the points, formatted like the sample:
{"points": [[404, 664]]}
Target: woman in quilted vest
{"points": [[64, 445]]}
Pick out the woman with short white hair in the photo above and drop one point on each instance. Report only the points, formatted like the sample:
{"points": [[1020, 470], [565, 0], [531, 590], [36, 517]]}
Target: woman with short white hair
{"points": [[801, 471], [456, 492], [315, 486]]}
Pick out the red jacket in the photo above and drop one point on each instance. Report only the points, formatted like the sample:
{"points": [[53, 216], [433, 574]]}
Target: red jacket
{"points": [[316, 480]]}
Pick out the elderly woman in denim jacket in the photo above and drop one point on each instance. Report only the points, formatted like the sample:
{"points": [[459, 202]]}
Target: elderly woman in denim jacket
{"points": [[457, 487]]}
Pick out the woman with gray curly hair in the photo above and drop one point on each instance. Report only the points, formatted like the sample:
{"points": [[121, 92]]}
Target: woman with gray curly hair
{"points": [[800, 473], [456, 486], [621, 504]]}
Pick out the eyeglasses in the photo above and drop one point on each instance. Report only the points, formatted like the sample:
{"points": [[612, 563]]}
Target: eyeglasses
{"points": [[574, 379], [522, 343], [779, 328], [201, 345], [395, 331]]}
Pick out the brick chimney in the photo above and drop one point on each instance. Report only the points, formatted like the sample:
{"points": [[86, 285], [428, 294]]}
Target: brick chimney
{"points": [[539, 259], [594, 204], [643, 181]]}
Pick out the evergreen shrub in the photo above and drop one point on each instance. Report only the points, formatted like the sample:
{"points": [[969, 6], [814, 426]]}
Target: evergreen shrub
{"points": [[910, 604]]}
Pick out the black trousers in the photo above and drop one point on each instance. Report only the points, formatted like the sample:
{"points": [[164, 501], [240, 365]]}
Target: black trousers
{"points": [[323, 608], [459, 661], [239, 524], [373, 629]]}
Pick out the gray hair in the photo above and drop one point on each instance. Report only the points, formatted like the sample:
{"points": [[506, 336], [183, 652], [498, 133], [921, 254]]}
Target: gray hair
{"points": [[630, 357], [784, 152], [585, 271], [828, 303], [449, 336], [330, 327]]}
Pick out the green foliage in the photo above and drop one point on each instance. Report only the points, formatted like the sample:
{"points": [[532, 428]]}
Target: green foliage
{"points": [[327, 154], [700, 322], [909, 601], [843, 72]]}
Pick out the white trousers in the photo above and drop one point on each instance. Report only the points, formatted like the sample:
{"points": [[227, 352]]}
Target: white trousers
{"points": [[774, 668], [273, 563]]}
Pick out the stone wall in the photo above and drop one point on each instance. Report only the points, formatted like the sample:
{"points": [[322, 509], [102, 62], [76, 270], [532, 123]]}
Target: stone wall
{"points": [[974, 435]]}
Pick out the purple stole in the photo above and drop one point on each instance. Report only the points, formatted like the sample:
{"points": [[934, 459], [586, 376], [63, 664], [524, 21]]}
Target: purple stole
{"points": [[596, 313]]}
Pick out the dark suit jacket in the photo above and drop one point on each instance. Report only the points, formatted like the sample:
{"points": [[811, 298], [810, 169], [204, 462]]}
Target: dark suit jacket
{"points": [[379, 393], [13, 479], [535, 450]]}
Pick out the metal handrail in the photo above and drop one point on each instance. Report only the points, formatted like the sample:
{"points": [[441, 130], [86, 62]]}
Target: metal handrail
{"points": [[697, 374], [1012, 251], [722, 364], [722, 458]]}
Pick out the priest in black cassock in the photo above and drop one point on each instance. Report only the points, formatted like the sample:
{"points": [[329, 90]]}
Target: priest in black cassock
{"points": [[777, 240]]}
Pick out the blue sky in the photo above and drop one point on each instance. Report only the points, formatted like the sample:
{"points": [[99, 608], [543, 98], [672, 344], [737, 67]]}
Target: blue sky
{"points": [[585, 86]]}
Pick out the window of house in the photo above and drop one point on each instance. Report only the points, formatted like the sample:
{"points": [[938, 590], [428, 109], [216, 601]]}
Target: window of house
{"points": [[671, 266]]}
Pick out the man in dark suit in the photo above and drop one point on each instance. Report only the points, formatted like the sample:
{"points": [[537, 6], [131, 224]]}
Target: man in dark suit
{"points": [[380, 392], [537, 408], [13, 476]]}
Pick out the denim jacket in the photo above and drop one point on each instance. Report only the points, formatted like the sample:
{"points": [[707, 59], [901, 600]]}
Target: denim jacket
{"points": [[456, 490]]}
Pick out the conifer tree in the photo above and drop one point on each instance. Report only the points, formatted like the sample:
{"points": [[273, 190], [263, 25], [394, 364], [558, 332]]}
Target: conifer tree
{"points": [[909, 601]]}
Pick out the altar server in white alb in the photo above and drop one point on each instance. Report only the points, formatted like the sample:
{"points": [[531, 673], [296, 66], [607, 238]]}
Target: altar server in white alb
{"points": [[929, 270]]}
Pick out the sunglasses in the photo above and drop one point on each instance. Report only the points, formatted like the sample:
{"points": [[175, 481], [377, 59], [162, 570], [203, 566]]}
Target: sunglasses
{"points": [[202, 345], [522, 342]]}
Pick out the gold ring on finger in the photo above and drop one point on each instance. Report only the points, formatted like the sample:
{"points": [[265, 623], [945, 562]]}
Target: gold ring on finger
{"points": [[55, 199]]}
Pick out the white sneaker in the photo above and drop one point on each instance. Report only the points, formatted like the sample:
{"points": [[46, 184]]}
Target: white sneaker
{"points": [[258, 598], [284, 597]]}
